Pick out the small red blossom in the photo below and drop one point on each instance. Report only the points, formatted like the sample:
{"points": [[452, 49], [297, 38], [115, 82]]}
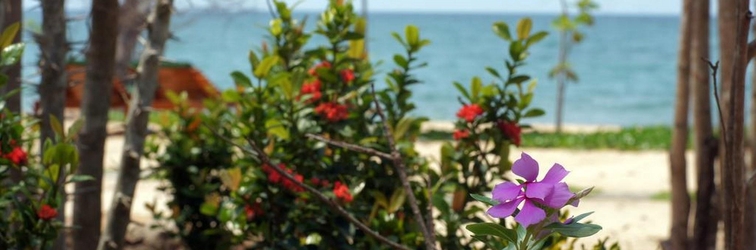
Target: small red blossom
{"points": [[333, 112], [46, 212], [460, 134], [276, 178], [511, 130], [342, 192], [312, 88], [314, 70], [347, 75], [17, 156], [469, 112]]}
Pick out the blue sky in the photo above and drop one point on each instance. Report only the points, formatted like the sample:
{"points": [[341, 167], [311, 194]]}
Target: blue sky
{"points": [[498, 6]]}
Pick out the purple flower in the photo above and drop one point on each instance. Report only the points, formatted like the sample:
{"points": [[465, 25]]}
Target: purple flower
{"points": [[532, 194]]}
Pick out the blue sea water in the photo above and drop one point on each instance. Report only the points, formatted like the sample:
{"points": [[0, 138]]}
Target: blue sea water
{"points": [[626, 64]]}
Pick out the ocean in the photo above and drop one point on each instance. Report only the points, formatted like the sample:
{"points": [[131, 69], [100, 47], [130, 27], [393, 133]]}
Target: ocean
{"points": [[626, 64]]}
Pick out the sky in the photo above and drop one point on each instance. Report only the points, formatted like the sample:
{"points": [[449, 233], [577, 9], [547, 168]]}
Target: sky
{"points": [[665, 7]]}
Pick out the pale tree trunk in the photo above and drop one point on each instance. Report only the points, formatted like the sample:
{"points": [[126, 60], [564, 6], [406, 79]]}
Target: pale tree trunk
{"points": [[564, 44], [680, 198], [133, 19], [95, 106], [12, 13], [52, 88], [136, 129], [706, 216], [734, 19]]}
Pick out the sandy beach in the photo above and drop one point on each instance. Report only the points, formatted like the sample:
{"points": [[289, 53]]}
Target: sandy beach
{"points": [[625, 182]]}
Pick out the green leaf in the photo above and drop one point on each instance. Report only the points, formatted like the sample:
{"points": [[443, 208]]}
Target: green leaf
{"points": [[534, 113], [353, 36], [79, 178], [493, 72], [275, 27], [400, 61], [275, 127], [493, 229], [208, 209], [8, 34], [263, 69], [380, 199], [397, 200], [576, 230], [241, 80], [475, 86], [580, 217], [413, 36], [399, 39], [401, 128], [76, 127], [519, 79], [523, 28], [537, 37], [516, 51], [484, 199], [56, 126], [12, 54], [502, 30], [462, 90]]}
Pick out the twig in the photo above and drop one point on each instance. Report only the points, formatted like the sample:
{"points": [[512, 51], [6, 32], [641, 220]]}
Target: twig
{"points": [[352, 147], [429, 236], [714, 67], [257, 151]]}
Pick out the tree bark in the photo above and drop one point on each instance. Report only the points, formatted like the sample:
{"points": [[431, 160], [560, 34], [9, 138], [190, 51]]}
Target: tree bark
{"points": [[680, 198], [132, 21], [750, 209], [706, 216], [95, 106], [12, 13], [136, 129], [52, 65], [734, 19]]}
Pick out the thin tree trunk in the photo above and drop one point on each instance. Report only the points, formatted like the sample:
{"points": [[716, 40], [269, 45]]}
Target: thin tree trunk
{"points": [[132, 21], [52, 64], [136, 129], [737, 21], [706, 216], [95, 107], [12, 13], [680, 198], [561, 76], [750, 209]]}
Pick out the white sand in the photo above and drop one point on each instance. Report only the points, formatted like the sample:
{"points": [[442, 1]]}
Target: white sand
{"points": [[624, 183]]}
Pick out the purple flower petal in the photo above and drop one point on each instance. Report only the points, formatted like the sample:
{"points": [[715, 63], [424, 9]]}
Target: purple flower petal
{"points": [[556, 174], [526, 167], [530, 214], [538, 190], [505, 209], [559, 196], [506, 191]]}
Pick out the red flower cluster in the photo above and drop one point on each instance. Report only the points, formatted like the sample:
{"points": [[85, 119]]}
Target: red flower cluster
{"points": [[511, 130], [342, 192], [333, 112], [460, 134], [469, 112], [312, 88], [275, 178], [314, 70], [252, 211], [347, 75], [17, 156], [46, 212]]}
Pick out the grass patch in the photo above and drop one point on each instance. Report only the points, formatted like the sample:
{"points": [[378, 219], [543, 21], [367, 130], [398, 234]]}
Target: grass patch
{"points": [[667, 196], [631, 138]]}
